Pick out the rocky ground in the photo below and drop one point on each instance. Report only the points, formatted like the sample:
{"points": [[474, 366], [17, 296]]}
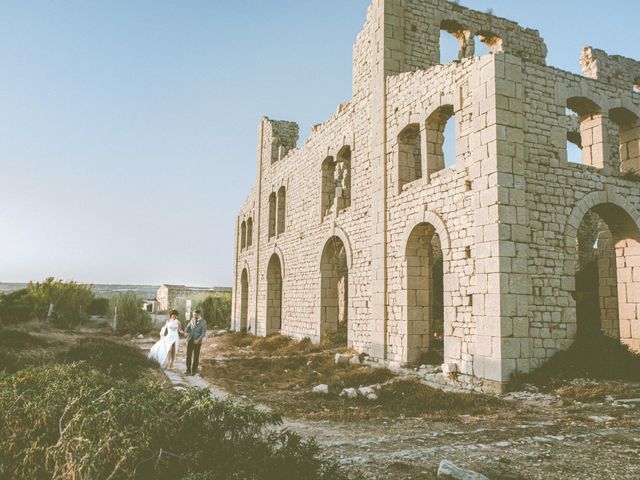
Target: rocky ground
{"points": [[535, 436]]}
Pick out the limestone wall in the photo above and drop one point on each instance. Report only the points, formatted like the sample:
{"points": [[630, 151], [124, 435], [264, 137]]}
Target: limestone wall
{"points": [[503, 216]]}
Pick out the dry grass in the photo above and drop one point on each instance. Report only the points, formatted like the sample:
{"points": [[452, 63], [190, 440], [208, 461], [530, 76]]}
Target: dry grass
{"points": [[281, 373], [27, 346], [595, 392], [273, 345], [595, 357]]}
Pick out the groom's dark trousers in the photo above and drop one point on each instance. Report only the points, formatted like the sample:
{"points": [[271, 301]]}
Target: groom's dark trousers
{"points": [[193, 349]]}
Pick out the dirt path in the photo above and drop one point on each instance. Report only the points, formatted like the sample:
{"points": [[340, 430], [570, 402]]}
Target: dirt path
{"points": [[539, 440]]}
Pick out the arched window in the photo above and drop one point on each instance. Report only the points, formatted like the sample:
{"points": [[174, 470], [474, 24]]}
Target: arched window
{"points": [[272, 215], [591, 131], [249, 231], [343, 178], [243, 235], [409, 155], [441, 139], [629, 138], [282, 206], [487, 42], [328, 187], [456, 42]]}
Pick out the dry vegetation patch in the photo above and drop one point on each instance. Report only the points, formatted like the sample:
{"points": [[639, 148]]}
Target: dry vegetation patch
{"points": [[596, 357], [596, 392], [281, 373]]}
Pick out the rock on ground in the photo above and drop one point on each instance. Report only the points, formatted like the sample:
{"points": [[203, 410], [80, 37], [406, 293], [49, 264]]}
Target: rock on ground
{"points": [[450, 470]]}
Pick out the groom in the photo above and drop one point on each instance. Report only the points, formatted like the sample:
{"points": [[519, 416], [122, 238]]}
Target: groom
{"points": [[195, 331]]}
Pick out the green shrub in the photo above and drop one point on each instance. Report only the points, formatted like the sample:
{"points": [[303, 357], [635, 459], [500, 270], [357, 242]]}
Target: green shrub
{"points": [[216, 310], [70, 301], [70, 421], [131, 317], [98, 306], [17, 307], [110, 357]]}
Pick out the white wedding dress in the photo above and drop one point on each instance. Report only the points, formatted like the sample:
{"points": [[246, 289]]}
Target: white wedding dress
{"points": [[169, 336]]}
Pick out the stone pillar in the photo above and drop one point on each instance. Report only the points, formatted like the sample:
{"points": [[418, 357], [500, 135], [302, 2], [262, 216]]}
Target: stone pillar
{"points": [[387, 58], [516, 288]]}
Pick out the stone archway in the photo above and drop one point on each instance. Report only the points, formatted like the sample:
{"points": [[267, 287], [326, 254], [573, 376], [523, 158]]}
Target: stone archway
{"points": [[425, 295], [607, 274], [334, 290], [274, 295], [244, 300]]}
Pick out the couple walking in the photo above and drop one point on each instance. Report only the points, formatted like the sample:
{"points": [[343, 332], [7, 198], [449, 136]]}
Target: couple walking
{"points": [[165, 350]]}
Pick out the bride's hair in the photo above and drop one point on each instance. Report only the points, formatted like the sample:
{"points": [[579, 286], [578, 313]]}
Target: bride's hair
{"points": [[173, 312]]}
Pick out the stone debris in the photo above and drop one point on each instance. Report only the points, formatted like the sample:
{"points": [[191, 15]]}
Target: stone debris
{"points": [[601, 418], [322, 389], [449, 470], [349, 393], [342, 358], [368, 392], [627, 402]]}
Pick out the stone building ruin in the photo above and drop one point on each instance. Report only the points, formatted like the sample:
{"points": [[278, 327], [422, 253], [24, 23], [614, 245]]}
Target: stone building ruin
{"points": [[490, 260]]}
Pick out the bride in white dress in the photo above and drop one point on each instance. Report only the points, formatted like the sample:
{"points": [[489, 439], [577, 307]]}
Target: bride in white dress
{"points": [[164, 351]]}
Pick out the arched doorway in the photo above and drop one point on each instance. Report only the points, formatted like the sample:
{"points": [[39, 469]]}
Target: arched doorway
{"points": [[244, 300], [425, 296], [334, 291], [274, 295], [607, 277]]}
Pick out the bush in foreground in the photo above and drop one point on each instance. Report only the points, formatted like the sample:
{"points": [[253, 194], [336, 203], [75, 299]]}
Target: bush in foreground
{"points": [[70, 421]]}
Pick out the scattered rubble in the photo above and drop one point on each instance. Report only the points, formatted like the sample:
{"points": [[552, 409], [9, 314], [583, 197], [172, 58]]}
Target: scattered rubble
{"points": [[450, 470]]}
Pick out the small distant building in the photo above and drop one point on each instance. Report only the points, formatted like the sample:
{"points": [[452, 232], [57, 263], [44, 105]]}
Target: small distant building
{"points": [[168, 294]]}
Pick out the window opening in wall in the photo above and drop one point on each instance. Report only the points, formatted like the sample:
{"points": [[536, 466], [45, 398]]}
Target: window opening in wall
{"points": [[449, 142], [628, 139], [487, 42], [636, 85], [249, 231], [272, 214], [608, 243], [409, 155], [243, 235], [574, 140], [449, 48], [282, 207], [480, 47], [328, 187], [468, 186], [342, 176], [441, 139], [455, 42], [585, 132]]}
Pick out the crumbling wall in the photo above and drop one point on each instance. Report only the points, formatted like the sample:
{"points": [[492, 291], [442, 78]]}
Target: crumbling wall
{"points": [[505, 213]]}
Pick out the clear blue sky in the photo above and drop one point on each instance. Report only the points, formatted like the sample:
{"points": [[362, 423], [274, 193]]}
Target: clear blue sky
{"points": [[128, 128]]}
